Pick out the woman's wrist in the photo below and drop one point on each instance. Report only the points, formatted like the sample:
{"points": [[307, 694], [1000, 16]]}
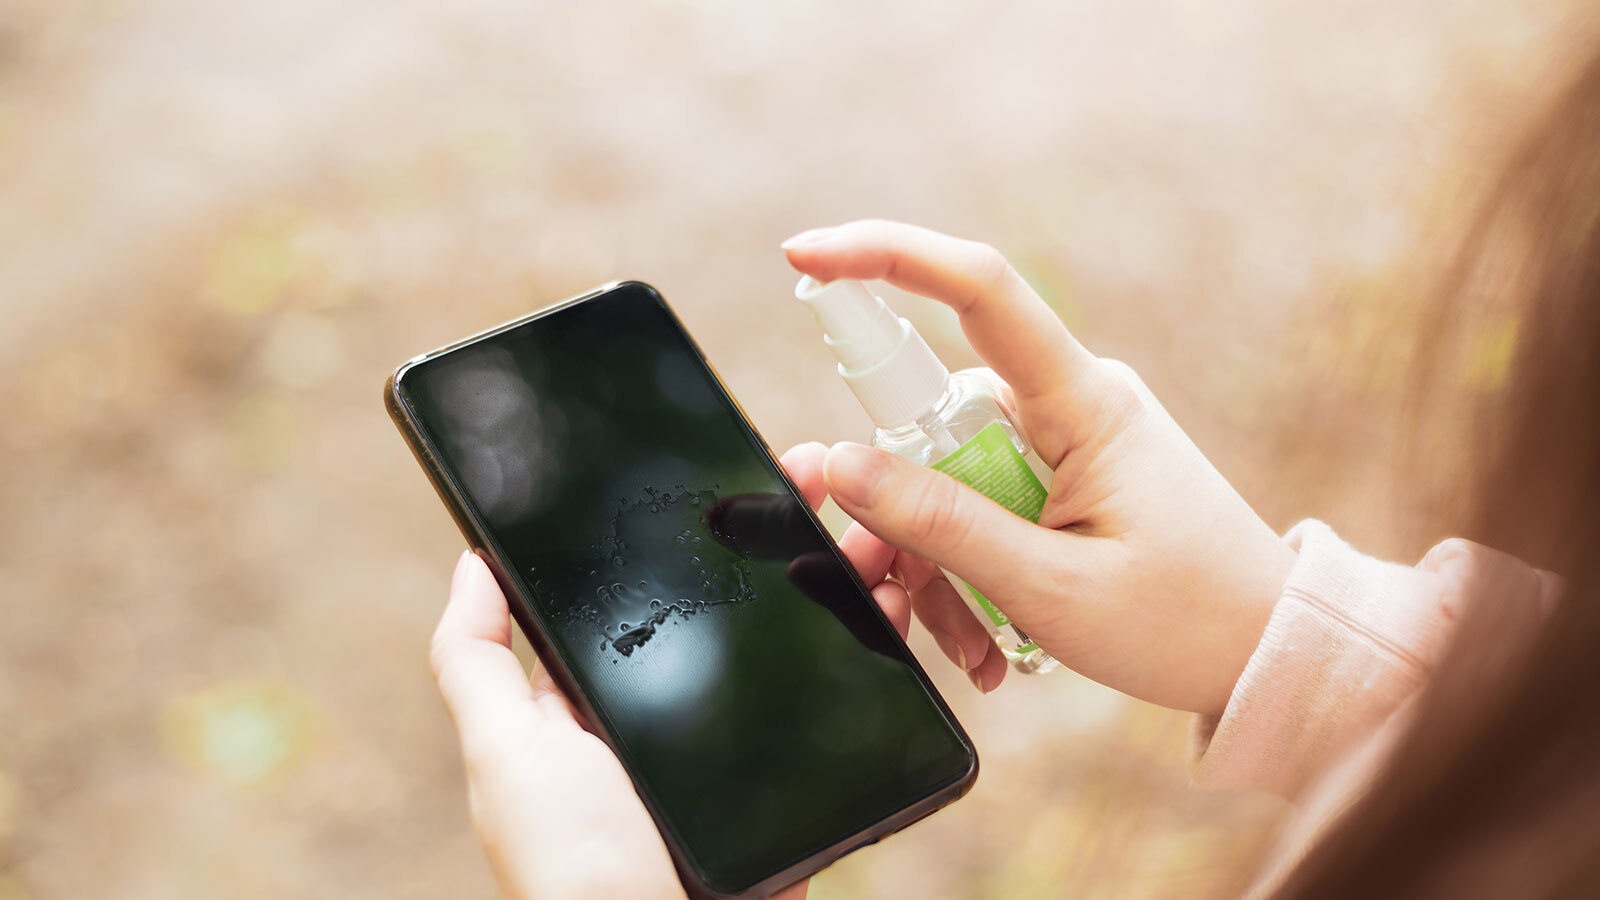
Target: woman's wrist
{"points": [[1258, 587]]}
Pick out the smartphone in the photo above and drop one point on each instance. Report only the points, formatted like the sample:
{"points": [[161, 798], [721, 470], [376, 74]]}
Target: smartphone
{"points": [[680, 590]]}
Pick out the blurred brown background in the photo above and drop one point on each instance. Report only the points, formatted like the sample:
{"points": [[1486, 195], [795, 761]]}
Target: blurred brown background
{"points": [[222, 224]]}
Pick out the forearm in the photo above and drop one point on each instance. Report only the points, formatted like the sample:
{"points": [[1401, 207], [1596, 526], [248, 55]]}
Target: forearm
{"points": [[1348, 640]]}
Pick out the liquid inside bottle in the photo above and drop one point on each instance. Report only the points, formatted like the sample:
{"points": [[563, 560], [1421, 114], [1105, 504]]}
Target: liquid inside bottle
{"points": [[970, 405], [959, 424]]}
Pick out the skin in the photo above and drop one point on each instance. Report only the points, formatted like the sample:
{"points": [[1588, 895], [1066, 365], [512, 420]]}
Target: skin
{"points": [[1146, 571]]}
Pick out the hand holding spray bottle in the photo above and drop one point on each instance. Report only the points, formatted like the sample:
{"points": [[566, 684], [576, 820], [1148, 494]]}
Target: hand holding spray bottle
{"points": [[956, 423]]}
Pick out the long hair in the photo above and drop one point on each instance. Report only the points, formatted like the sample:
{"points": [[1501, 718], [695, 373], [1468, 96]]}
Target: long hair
{"points": [[1495, 790]]}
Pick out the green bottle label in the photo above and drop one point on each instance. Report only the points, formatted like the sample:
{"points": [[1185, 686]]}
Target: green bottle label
{"points": [[990, 464]]}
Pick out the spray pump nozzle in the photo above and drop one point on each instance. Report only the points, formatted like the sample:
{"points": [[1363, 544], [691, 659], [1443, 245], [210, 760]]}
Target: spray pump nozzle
{"points": [[888, 365]]}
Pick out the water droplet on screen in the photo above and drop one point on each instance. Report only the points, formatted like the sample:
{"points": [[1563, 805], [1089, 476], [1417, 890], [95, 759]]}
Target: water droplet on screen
{"points": [[643, 602]]}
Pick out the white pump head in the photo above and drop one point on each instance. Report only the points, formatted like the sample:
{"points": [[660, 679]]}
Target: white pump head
{"points": [[893, 372]]}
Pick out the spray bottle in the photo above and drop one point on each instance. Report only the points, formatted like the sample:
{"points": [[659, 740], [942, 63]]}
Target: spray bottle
{"points": [[957, 423]]}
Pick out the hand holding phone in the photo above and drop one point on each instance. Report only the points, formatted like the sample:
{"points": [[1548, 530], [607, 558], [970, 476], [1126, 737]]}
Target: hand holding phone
{"points": [[553, 806], [682, 594]]}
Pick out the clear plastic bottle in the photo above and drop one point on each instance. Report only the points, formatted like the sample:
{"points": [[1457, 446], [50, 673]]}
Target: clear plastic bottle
{"points": [[959, 423], [970, 404]]}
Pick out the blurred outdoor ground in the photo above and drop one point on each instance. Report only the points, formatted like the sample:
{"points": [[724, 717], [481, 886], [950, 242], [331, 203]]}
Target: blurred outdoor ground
{"points": [[222, 224]]}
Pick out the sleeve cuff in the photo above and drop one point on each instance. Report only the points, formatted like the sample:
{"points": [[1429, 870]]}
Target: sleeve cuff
{"points": [[1349, 639]]}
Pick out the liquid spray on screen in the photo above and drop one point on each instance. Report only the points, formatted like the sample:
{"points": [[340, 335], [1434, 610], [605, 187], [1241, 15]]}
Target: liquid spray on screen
{"points": [[956, 423]]}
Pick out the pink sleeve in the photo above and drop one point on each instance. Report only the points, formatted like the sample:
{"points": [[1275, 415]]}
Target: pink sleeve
{"points": [[1350, 639]]}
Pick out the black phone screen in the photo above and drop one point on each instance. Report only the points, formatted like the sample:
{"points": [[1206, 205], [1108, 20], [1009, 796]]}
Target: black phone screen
{"points": [[755, 693]]}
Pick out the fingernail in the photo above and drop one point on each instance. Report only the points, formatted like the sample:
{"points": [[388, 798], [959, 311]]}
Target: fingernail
{"points": [[460, 577], [806, 237], [853, 472], [951, 649], [976, 678]]}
